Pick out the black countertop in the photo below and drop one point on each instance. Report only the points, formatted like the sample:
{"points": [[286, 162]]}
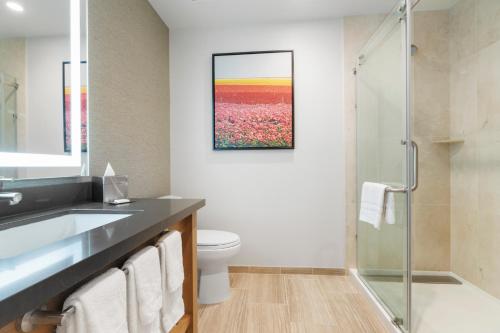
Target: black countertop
{"points": [[29, 280]]}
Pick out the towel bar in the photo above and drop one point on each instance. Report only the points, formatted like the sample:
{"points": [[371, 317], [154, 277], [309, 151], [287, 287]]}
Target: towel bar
{"points": [[43, 317], [396, 190], [37, 317]]}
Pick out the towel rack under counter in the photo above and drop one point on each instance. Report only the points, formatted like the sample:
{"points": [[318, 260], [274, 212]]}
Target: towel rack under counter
{"points": [[55, 314], [35, 318]]}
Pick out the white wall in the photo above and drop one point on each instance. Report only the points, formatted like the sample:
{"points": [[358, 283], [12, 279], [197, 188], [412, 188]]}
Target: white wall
{"points": [[287, 206]]}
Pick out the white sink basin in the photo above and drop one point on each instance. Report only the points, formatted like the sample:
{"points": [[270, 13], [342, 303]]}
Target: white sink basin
{"points": [[25, 238]]}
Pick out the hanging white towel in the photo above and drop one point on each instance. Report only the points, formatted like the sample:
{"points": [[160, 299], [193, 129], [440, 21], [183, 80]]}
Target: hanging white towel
{"points": [[376, 205], [171, 253], [144, 291], [100, 306], [390, 208], [172, 279]]}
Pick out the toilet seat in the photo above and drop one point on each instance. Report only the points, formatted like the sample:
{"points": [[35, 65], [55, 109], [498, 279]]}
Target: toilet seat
{"points": [[216, 240]]}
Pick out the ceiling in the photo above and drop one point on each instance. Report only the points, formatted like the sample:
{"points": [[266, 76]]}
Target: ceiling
{"points": [[219, 13], [40, 18], [210, 13]]}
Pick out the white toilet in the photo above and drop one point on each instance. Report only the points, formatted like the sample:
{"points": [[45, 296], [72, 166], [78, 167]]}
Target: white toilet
{"points": [[215, 248]]}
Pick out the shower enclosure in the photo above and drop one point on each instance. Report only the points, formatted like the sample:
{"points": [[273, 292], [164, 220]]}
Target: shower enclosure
{"points": [[428, 84], [8, 113]]}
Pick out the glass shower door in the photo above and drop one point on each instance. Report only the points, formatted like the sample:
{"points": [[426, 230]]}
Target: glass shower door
{"points": [[381, 158], [8, 113]]}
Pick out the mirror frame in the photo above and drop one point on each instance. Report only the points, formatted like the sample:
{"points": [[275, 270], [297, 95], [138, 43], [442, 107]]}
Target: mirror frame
{"points": [[47, 160]]}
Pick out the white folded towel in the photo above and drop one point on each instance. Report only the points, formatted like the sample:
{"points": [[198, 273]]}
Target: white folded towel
{"points": [[100, 306], [170, 246], [376, 205], [144, 291], [172, 279]]}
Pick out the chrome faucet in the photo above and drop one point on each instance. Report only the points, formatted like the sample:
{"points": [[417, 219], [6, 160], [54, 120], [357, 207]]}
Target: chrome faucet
{"points": [[12, 197]]}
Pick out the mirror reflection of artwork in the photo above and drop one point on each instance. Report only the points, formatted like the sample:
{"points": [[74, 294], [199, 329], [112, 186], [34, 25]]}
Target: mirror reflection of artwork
{"points": [[35, 40], [253, 100], [67, 105]]}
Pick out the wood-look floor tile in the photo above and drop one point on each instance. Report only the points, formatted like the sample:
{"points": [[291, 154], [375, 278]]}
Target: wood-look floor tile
{"points": [[227, 317], [239, 280], [353, 314], [269, 303], [306, 302], [268, 318], [266, 288], [313, 328], [336, 284]]}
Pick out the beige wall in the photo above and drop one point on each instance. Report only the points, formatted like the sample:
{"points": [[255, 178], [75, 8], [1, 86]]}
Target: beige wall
{"points": [[129, 94], [431, 104], [475, 164]]}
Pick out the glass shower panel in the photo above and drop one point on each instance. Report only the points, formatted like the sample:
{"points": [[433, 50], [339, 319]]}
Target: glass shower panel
{"points": [[8, 113], [381, 158]]}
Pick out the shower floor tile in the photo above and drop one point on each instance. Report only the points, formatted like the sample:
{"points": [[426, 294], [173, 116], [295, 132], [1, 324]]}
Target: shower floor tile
{"points": [[447, 308]]}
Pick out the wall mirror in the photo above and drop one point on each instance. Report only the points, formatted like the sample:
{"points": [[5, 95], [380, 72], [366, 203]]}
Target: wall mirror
{"points": [[43, 88]]}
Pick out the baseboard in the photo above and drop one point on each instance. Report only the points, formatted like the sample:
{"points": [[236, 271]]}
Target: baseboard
{"points": [[287, 270]]}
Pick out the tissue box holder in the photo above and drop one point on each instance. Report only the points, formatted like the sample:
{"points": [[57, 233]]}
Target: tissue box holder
{"points": [[110, 188]]}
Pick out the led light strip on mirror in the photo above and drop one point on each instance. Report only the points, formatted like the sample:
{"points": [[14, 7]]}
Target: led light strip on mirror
{"points": [[46, 160]]}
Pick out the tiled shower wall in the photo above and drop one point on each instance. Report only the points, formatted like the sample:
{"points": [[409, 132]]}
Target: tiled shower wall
{"points": [[431, 105], [475, 164]]}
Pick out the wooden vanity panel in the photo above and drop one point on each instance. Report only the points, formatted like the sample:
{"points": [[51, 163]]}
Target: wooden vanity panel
{"points": [[189, 322], [188, 228]]}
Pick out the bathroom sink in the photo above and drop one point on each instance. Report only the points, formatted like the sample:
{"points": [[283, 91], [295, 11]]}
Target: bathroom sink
{"points": [[45, 230]]}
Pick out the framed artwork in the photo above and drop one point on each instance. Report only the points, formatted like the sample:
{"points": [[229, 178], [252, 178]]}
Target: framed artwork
{"points": [[67, 105], [253, 100]]}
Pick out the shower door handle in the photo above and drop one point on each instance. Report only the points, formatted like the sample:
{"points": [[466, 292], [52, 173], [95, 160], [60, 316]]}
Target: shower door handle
{"points": [[414, 148]]}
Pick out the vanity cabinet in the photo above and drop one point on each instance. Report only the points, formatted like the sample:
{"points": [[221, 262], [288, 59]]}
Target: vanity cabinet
{"points": [[179, 215]]}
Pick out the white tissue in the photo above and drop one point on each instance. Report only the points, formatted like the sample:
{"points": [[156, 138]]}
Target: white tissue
{"points": [[109, 171]]}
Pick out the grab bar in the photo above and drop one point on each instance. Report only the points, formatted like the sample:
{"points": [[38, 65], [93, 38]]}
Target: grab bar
{"points": [[415, 165], [415, 182]]}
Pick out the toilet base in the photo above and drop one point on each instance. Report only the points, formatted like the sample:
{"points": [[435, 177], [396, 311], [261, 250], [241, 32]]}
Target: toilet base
{"points": [[213, 285]]}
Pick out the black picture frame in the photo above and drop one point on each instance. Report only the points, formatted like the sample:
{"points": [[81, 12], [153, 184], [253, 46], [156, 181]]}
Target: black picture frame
{"points": [[214, 55], [67, 148]]}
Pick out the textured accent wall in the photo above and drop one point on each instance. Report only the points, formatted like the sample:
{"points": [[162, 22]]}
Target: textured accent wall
{"points": [[129, 94]]}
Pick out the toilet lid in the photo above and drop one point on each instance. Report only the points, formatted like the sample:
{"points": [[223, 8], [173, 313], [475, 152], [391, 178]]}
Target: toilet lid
{"points": [[216, 238]]}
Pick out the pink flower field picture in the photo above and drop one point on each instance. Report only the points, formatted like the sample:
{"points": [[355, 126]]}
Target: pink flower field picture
{"points": [[253, 100]]}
